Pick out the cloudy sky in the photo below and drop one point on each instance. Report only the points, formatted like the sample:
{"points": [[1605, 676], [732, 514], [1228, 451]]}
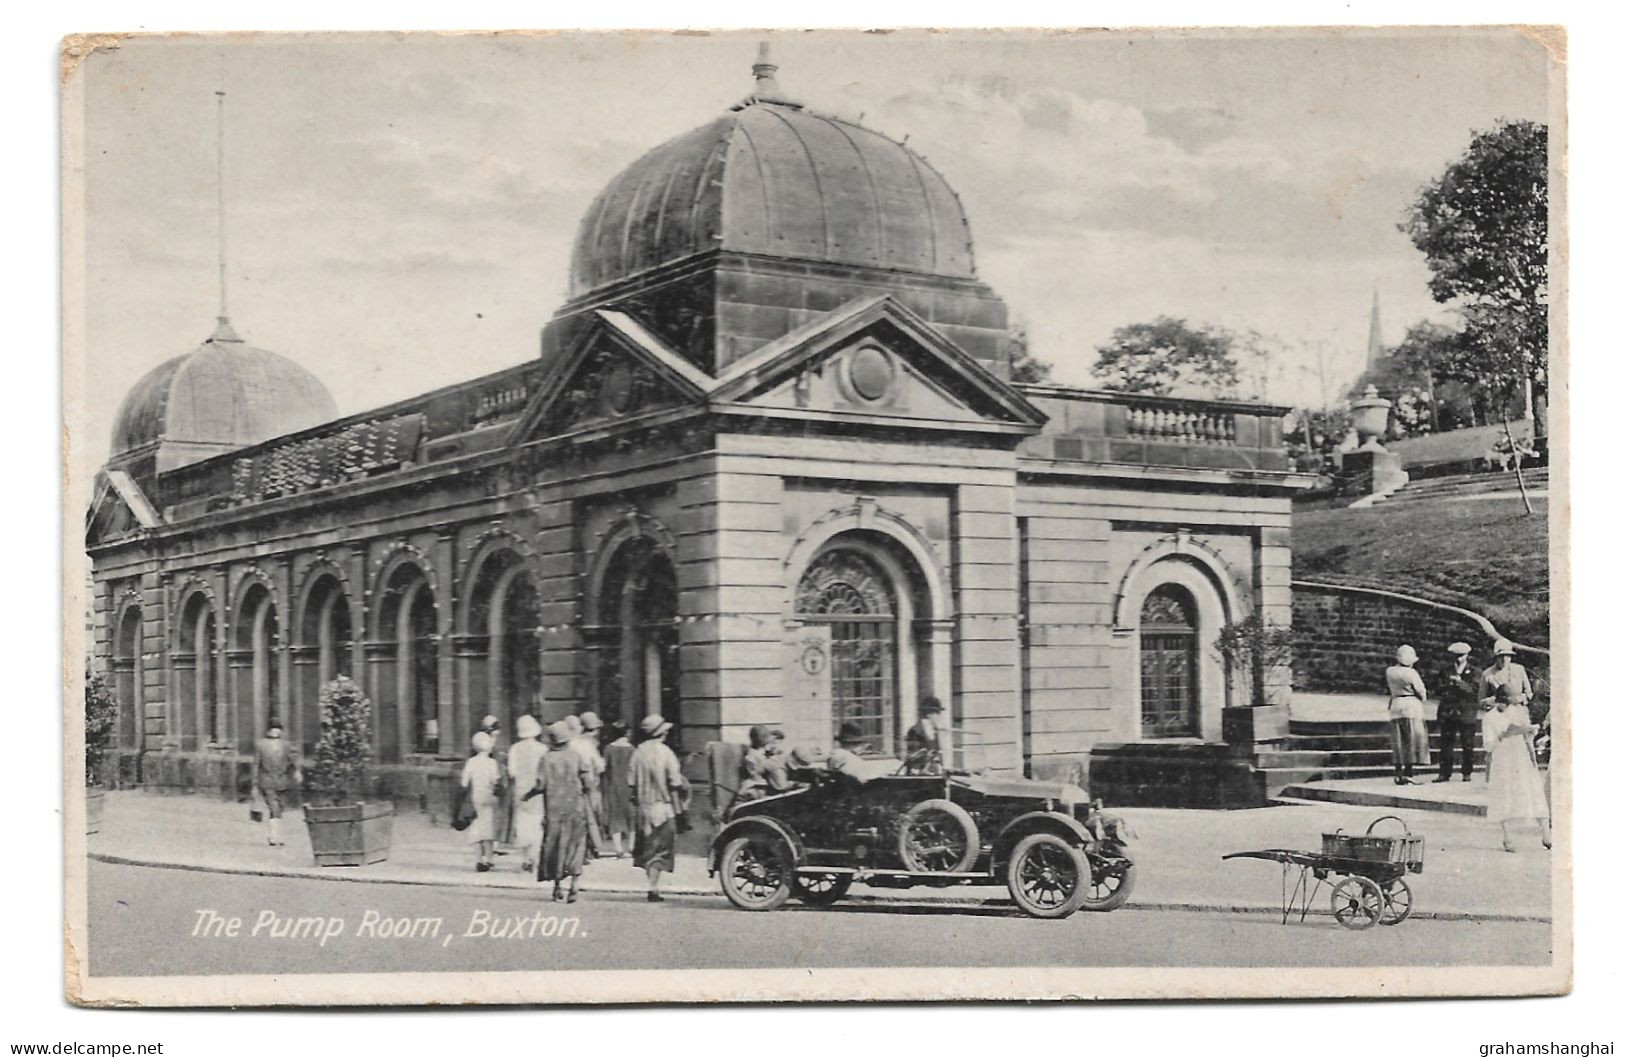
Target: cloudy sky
{"points": [[400, 209]]}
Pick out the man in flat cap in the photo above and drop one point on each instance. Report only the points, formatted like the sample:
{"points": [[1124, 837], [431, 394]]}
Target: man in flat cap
{"points": [[1458, 712]]}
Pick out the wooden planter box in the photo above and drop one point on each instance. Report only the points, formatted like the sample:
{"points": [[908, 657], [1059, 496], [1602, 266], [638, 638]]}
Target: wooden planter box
{"points": [[95, 805], [1246, 727], [350, 834]]}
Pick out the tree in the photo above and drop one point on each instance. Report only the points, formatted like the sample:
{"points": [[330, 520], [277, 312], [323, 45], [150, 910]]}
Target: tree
{"points": [[1169, 355], [1252, 649], [101, 714], [1483, 229], [340, 771], [1024, 366]]}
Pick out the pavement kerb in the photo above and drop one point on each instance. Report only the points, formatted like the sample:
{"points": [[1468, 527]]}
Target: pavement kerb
{"points": [[683, 889]]}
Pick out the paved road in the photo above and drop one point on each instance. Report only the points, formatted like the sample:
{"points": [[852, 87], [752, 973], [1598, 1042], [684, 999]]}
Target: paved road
{"points": [[150, 921]]}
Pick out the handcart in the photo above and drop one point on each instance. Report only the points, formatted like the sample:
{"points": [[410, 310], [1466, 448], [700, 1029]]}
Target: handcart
{"points": [[1372, 869]]}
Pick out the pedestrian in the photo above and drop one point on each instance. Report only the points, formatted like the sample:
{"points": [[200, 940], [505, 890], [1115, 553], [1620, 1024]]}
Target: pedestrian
{"points": [[276, 770], [524, 771], [1407, 722], [565, 785], [657, 791], [1458, 712], [502, 811], [923, 743], [482, 784], [585, 743], [617, 793], [1503, 672], [1516, 790]]}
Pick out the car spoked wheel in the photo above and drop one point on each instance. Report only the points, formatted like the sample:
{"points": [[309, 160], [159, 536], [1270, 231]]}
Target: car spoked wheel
{"points": [[756, 872], [938, 836], [1047, 876], [1357, 903], [1110, 882], [821, 889]]}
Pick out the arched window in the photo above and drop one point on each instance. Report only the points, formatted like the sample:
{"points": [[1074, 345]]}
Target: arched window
{"points": [[127, 678], [847, 591], [638, 651], [256, 685], [326, 647], [198, 719], [407, 659], [1168, 664], [502, 641]]}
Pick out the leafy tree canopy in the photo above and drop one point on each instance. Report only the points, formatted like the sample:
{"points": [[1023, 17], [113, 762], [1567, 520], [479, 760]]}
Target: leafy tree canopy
{"points": [[1169, 356], [1482, 226]]}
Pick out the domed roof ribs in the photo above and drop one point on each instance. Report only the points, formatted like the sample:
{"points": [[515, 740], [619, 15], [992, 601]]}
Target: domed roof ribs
{"points": [[812, 169], [874, 192], [761, 181], [930, 211]]}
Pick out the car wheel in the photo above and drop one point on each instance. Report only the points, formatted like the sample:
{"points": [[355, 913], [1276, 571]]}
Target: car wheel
{"points": [[756, 872], [1047, 876], [1110, 883], [821, 889], [938, 836]]}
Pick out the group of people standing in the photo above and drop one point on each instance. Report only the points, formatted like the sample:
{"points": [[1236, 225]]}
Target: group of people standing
{"points": [[1494, 701], [584, 792]]}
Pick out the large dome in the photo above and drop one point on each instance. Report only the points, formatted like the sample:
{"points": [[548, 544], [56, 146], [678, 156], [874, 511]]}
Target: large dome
{"points": [[222, 395], [773, 178]]}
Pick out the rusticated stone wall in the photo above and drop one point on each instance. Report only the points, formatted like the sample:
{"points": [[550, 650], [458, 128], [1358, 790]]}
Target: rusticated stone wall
{"points": [[1344, 637]]}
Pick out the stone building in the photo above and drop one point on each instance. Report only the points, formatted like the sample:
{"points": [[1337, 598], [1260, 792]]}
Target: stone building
{"points": [[768, 468]]}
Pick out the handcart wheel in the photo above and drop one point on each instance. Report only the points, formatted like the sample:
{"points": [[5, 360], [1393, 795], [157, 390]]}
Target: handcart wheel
{"points": [[1357, 903], [1397, 901]]}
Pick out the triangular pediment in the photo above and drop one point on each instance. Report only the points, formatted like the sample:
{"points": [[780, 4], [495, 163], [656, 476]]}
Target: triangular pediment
{"points": [[616, 372], [874, 359], [118, 508]]}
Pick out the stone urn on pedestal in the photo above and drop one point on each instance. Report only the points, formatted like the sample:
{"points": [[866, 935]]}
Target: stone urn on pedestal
{"points": [[1370, 468]]}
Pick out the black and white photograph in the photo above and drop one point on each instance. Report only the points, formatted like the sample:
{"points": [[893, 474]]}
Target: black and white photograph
{"points": [[671, 517]]}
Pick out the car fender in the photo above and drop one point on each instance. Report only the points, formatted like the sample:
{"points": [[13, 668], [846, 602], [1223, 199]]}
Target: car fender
{"points": [[1064, 826], [740, 826]]}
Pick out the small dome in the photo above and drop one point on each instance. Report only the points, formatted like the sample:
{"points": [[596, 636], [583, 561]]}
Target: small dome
{"points": [[773, 178], [222, 395]]}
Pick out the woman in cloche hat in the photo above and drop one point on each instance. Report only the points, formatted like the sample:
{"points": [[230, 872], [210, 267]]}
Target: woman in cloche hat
{"points": [[565, 785], [1516, 789]]}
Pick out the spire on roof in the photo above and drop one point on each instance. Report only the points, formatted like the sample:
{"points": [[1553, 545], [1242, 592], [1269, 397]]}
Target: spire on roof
{"points": [[767, 86]]}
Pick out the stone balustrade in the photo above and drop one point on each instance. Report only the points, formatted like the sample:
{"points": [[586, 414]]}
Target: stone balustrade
{"points": [[1096, 425]]}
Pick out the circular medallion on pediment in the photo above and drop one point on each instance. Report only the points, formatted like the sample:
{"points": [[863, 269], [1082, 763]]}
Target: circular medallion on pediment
{"points": [[871, 372]]}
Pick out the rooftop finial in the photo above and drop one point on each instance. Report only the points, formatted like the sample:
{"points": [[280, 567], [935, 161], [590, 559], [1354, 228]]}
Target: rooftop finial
{"points": [[767, 86], [220, 193]]}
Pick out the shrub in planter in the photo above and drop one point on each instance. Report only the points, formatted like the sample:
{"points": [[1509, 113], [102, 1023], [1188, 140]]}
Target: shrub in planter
{"points": [[101, 715], [345, 828], [1254, 650]]}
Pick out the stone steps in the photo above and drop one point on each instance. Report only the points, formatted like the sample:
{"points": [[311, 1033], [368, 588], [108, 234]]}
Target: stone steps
{"points": [[1310, 794]]}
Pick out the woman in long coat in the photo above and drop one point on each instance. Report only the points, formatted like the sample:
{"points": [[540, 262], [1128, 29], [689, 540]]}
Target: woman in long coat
{"points": [[1516, 789], [565, 783]]}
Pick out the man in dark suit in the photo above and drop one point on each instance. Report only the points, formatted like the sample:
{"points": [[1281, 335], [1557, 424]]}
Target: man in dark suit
{"points": [[1458, 712]]}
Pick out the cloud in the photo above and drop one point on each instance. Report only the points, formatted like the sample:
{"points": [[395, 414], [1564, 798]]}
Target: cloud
{"points": [[1192, 128]]}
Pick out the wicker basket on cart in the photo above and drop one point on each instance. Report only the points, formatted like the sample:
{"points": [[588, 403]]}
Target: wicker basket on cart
{"points": [[1405, 849]]}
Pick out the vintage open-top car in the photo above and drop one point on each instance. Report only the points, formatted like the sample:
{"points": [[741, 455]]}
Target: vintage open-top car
{"points": [[1055, 851]]}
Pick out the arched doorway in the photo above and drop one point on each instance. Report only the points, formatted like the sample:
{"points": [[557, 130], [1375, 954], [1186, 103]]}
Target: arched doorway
{"points": [[198, 718], [504, 616], [405, 656], [858, 594], [127, 678], [325, 652], [256, 688], [1169, 690], [638, 661]]}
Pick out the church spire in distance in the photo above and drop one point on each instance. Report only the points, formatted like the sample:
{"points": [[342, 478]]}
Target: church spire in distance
{"points": [[1373, 345]]}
